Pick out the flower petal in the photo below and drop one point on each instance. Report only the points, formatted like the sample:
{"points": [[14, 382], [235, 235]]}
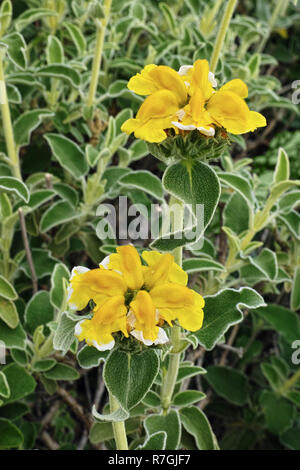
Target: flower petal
{"points": [[145, 315], [158, 77], [108, 319], [154, 115], [128, 262], [210, 131], [171, 296], [164, 269], [212, 80], [256, 120], [181, 303], [83, 331], [199, 79], [190, 127], [230, 111], [162, 337], [94, 284], [236, 86]]}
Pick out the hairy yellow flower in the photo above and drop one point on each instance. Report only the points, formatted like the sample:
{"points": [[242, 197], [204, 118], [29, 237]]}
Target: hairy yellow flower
{"points": [[133, 298], [187, 100], [158, 77], [154, 115], [198, 76], [195, 116]]}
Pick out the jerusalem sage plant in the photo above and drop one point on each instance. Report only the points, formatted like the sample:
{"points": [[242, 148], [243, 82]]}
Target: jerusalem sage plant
{"points": [[78, 78], [132, 299]]}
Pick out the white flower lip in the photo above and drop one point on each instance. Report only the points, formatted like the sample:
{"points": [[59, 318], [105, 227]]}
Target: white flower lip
{"points": [[105, 262], [162, 337], [78, 270], [212, 80], [75, 271], [190, 127], [104, 346], [131, 319], [180, 113], [69, 291], [78, 328], [184, 69], [209, 132]]}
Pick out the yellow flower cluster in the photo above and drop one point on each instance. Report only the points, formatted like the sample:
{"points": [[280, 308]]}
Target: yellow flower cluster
{"points": [[186, 100], [133, 298]]}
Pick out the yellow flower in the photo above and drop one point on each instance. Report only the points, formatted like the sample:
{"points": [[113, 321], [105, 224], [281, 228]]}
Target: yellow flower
{"points": [[187, 100], [229, 110], [198, 76], [158, 77], [195, 116], [154, 115], [223, 108], [133, 298]]}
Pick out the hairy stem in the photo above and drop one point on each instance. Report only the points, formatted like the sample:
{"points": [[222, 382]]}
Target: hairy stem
{"points": [[27, 251], [280, 6], [118, 427], [7, 124], [290, 382], [98, 53], [222, 33], [169, 380]]}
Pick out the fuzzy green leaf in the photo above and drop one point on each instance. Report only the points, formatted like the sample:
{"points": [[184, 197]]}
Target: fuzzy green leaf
{"points": [[27, 123], [62, 372], [89, 357], [9, 313], [39, 311], [69, 154], [196, 423], [169, 423], [20, 382], [7, 290], [145, 181], [10, 436], [11, 184], [223, 310], [128, 377], [228, 383]]}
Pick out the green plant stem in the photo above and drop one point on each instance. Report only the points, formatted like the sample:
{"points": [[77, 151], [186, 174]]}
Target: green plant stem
{"points": [[98, 54], [208, 21], [290, 382], [118, 427], [169, 380], [47, 348], [7, 125], [280, 5], [222, 33]]}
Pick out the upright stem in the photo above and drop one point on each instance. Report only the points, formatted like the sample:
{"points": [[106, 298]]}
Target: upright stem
{"points": [[7, 124], [207, 23], [28, 251], [98, 53], [280, 5], [169, 380], [118, 427], [290, 382], [222, 33]]}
